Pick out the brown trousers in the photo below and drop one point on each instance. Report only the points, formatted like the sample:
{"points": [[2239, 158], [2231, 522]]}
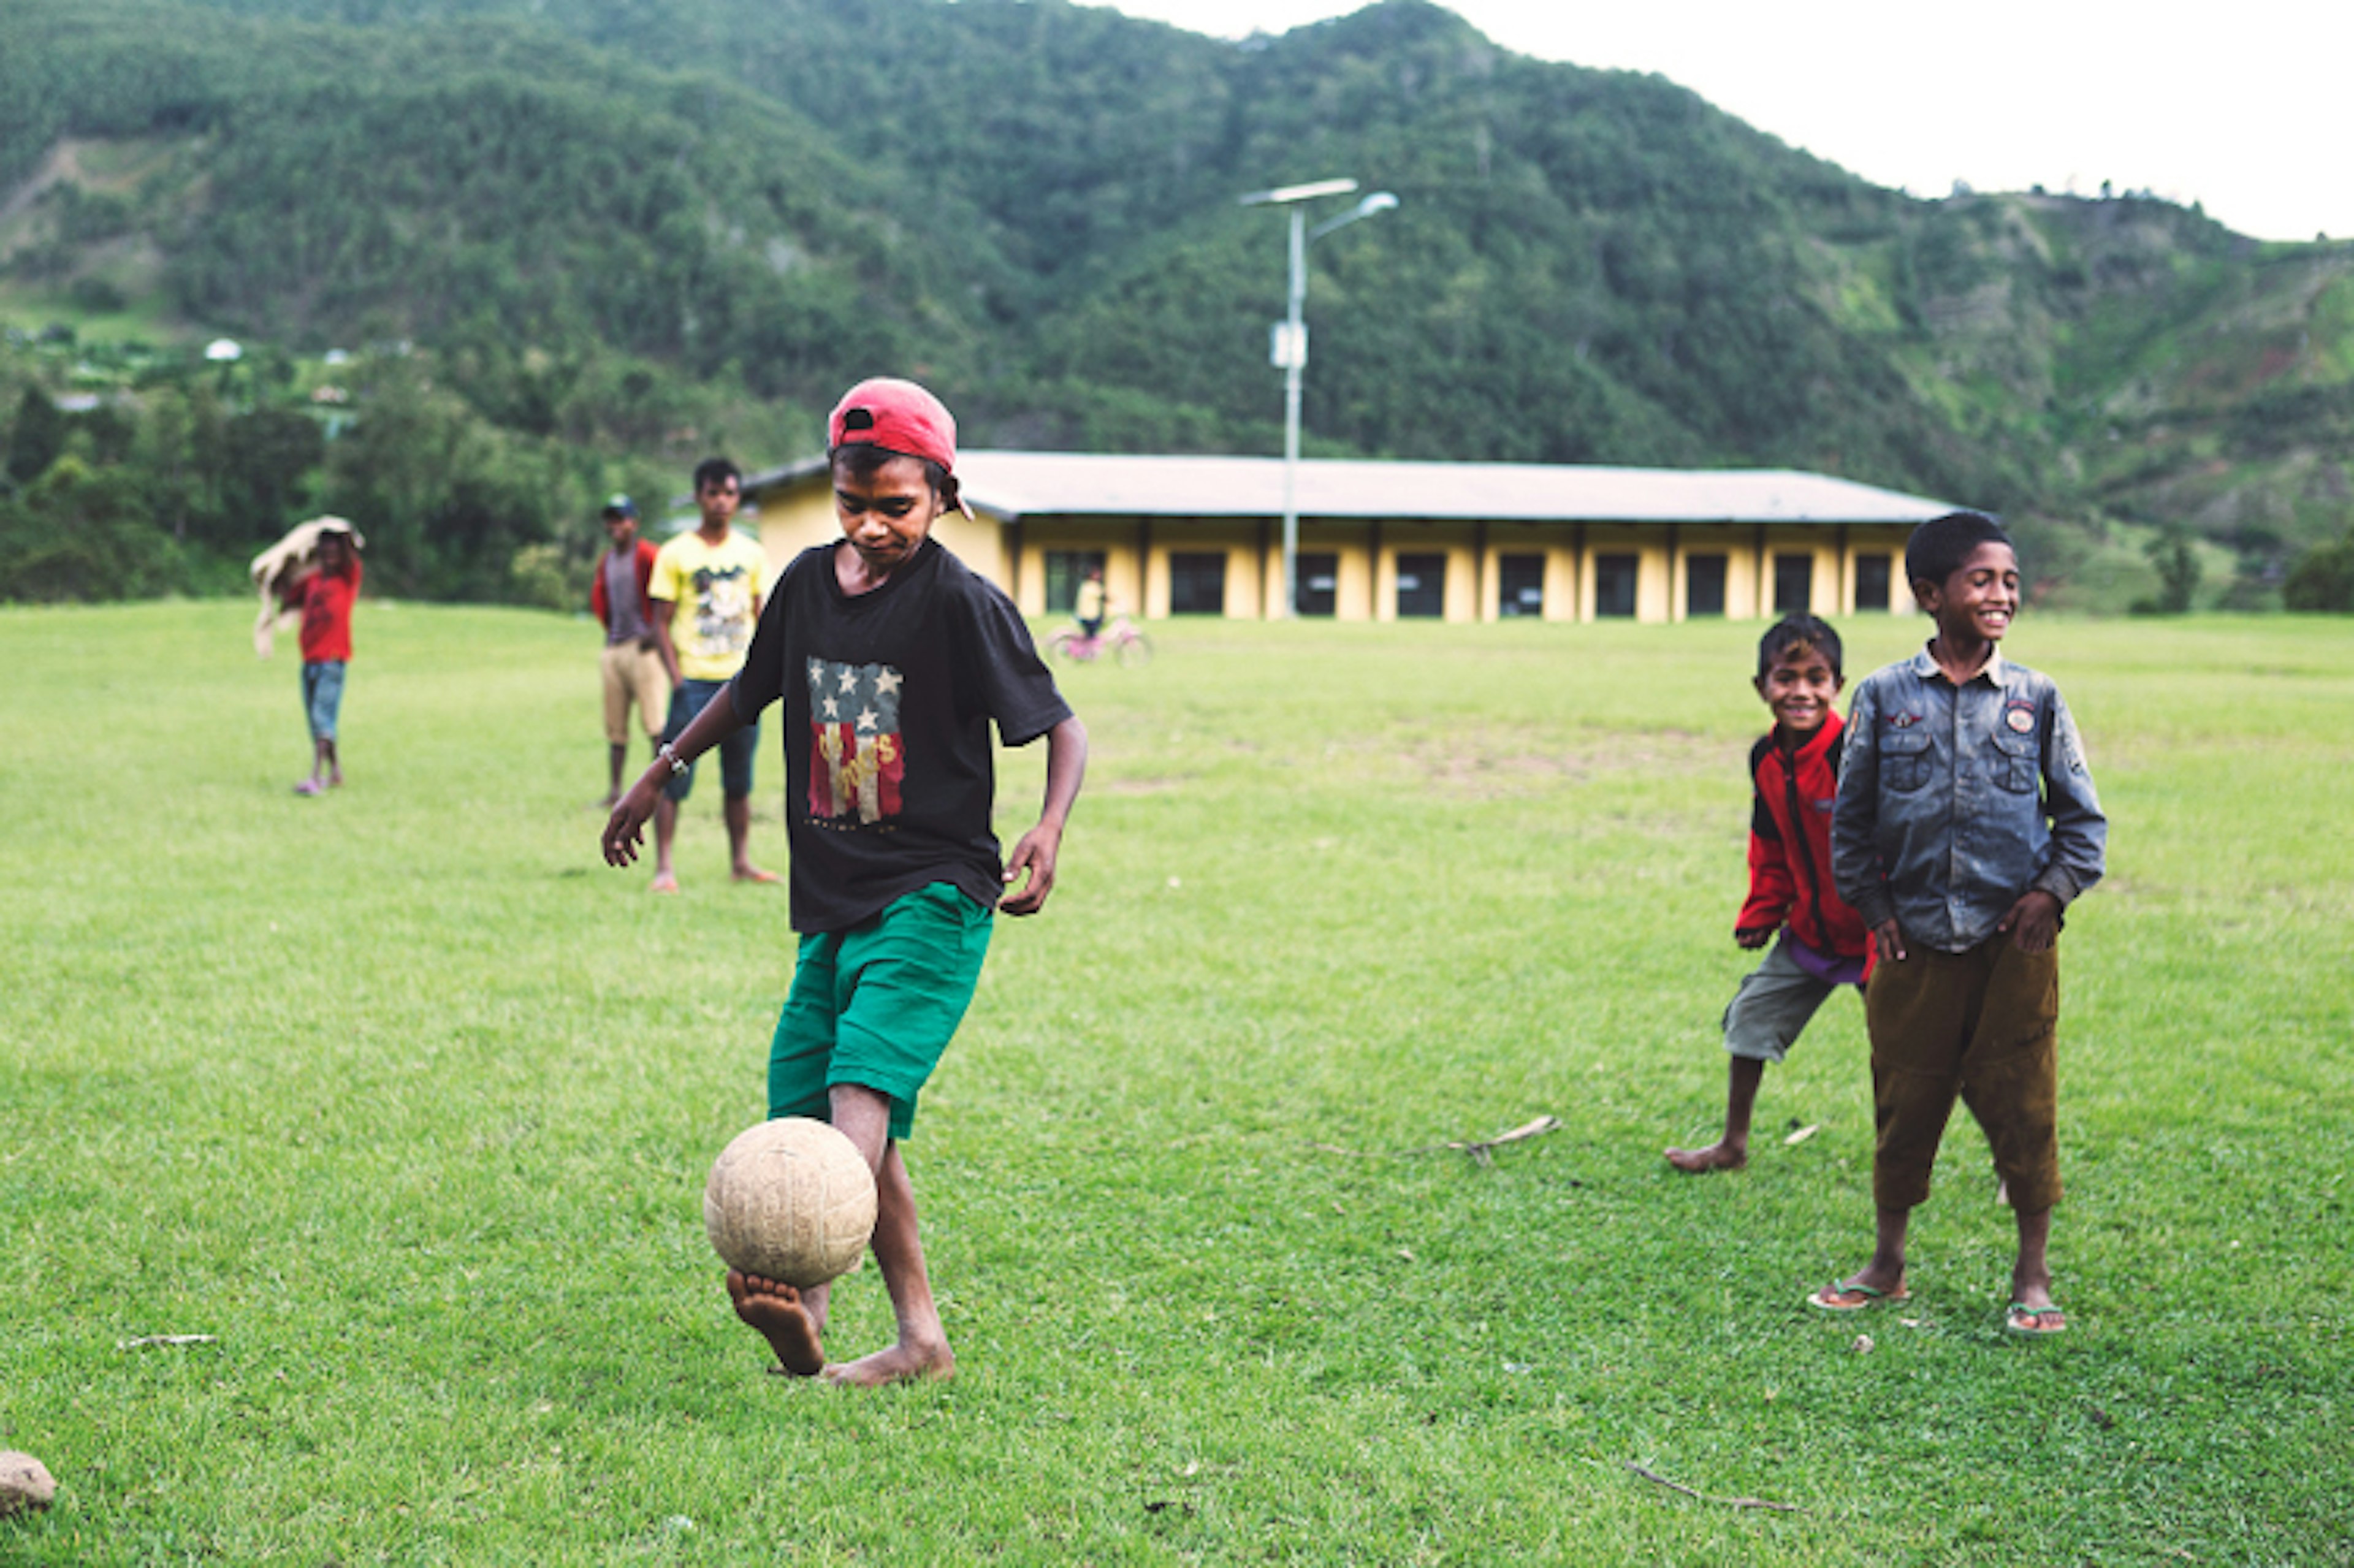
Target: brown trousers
{"points": [[1980, 1025]]}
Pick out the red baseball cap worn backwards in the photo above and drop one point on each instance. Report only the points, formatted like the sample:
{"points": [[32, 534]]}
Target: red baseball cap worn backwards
{"points": [[898, 416]]}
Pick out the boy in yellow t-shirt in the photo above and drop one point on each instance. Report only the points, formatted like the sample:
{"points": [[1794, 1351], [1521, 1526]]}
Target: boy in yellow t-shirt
{"points": [[704, 603]]}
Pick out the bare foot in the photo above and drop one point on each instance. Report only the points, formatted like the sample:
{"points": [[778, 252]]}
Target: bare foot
{"points": [[335, 779], [774, 1310], [900, 1363], [1715, 1156], [749, 873], [665, 882]]}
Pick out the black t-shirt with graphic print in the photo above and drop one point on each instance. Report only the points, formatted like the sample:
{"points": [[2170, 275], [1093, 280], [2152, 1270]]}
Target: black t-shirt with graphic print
{"points": [[889, 774]]}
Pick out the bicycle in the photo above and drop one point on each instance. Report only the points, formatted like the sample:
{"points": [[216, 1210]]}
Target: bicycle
{"points": [[1120, 639]]}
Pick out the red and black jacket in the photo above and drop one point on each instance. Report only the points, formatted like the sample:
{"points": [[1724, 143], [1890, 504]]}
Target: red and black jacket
{"points": [[1790, 845], [644, 562]]}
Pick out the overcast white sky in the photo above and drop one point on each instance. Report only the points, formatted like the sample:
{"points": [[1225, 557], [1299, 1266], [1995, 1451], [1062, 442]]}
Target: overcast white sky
{"points": [[2243, 106]]}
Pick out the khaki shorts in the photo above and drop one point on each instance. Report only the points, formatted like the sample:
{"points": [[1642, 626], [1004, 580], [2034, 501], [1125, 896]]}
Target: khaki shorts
{"points": [[633, 673]]}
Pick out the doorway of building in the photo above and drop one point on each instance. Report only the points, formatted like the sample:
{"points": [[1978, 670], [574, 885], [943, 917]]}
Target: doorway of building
{"points": [[1197, 582], [1871, 582], [1793, 585], [1064, 568], [1703, 586], [1615, 578], [1520, 586], [1421, 586], [1318, 589]]}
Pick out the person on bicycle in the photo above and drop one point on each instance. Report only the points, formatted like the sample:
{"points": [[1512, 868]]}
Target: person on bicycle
{"points": [[1091, 604]]}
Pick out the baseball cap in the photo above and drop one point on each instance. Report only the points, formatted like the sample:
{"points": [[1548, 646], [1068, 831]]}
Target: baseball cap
{"points": [[620, 505], [898, 416]]}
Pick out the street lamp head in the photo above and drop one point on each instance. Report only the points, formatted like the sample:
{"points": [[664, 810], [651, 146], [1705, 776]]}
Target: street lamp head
{"points": [[1372, 206], [1283, 196]]}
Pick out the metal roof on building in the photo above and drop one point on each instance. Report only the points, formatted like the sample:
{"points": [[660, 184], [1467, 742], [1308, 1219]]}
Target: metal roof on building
{"points": [[1016, 484]]}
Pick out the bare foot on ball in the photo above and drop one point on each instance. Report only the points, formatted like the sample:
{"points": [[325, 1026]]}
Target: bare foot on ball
{"points": [[1715, 1156], [774, 1310], [902, 1363]]}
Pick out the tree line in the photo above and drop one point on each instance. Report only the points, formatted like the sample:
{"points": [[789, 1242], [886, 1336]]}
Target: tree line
{"points": [[612, 230]]}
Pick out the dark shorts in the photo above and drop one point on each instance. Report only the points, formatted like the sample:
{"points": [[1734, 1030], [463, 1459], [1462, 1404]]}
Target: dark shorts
{"points": [[876, 1005], [322, 696], [735, 752], [1979, 1026]]}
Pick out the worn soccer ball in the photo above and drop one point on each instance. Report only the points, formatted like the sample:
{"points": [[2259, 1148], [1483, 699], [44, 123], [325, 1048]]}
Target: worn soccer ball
{"points": [[790, 1199]]}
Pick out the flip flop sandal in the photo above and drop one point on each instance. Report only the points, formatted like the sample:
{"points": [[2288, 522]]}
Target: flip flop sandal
{"points": [[1829, 1297], [2025, 1320]]}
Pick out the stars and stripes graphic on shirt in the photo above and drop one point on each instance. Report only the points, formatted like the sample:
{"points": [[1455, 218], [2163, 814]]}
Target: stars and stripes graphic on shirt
{"points": [[858, 759]]}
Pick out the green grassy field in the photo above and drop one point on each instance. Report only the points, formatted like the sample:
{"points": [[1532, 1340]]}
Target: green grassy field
{"points": [[407, 1101]]}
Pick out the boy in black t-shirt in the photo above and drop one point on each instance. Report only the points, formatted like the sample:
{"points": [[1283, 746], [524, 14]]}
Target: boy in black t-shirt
{"points": [[892, 660]]}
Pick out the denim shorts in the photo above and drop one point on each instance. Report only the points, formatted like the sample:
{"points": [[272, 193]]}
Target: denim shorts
{"points": [[735, 752], [322, 696], [877, 1004]]}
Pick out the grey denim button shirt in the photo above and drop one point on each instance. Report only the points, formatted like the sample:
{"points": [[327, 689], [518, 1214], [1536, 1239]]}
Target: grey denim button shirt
{"points": [[1953, 801]]}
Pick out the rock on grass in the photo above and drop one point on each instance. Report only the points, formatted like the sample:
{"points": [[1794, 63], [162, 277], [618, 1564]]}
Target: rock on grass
{"points": [[25, 1484]]}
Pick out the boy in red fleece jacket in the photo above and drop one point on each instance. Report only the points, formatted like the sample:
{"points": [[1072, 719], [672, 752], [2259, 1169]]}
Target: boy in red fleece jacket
{"points": [[1794, 774]]}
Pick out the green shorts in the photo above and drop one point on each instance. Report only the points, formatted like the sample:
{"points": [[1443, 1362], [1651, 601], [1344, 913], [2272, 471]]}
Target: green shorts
{"points": [[876, 1005]]}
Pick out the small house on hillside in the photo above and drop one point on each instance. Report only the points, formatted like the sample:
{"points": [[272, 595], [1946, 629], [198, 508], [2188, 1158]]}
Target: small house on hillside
{"points": [[1384, 541]]}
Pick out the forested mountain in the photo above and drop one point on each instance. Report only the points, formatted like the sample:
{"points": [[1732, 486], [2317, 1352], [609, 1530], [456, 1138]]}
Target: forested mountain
{"points": [[614, 230]]}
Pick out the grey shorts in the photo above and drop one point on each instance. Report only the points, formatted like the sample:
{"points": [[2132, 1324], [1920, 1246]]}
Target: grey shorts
{"points": [[1766, 1015]]}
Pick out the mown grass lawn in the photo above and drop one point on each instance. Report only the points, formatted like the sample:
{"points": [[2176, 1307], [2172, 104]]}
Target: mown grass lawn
{"points": [[407, 1101]]}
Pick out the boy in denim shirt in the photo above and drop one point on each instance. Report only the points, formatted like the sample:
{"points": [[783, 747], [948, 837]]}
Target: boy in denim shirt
{"points": [[1967, 822]]}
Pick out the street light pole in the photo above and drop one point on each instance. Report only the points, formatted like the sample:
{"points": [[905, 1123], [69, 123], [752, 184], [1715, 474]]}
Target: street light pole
{"points": [[1295, 370], [1289, 346]]}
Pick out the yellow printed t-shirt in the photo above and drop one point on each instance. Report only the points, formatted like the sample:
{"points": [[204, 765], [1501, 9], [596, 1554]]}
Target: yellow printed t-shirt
{"points": [[712, 591]]}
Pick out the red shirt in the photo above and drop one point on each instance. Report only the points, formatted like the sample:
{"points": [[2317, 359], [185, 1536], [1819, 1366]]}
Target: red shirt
{"points": [[1789, 845], [327, 615]]}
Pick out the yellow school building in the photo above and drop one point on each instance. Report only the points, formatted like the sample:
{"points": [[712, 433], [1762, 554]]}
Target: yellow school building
{"points": [[1388, 541]]}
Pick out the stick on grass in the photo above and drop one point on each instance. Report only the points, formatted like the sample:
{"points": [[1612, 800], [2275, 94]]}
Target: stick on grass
{"points": [[1481, 1151], [1729, 1502]]}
